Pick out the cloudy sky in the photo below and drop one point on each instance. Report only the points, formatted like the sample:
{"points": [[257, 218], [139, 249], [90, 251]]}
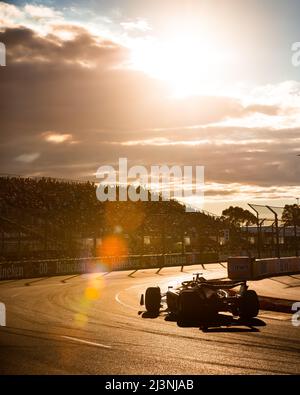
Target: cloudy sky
{"points": [[159, 82]]}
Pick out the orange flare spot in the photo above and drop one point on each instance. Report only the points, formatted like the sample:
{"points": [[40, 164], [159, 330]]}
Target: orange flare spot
{"points": [[92, 293], [113, 246]]}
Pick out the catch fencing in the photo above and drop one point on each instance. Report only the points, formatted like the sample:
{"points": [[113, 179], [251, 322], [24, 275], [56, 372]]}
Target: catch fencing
{"points": [[272, 232]]}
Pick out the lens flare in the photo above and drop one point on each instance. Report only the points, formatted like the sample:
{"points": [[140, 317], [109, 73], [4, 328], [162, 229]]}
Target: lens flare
{"points": [[113, 246], [81, 319], [91, 294]]}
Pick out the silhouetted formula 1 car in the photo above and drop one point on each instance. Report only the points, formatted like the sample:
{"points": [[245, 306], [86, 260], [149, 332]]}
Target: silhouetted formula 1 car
{"points": [[200, 299]]}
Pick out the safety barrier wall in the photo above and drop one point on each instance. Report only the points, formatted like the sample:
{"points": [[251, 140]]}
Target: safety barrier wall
{"points": [[240, 267], [56, 267], [245, 268]]}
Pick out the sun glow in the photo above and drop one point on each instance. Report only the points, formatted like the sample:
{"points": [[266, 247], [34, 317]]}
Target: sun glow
{"points": [[189, 62]]}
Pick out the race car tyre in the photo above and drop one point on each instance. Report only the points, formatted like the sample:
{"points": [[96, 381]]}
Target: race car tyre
{"points": [[249, 305], [153, 299]]}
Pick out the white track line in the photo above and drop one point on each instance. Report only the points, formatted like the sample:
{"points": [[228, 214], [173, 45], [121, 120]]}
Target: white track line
{"points": [[86, 342], [117, 298]]}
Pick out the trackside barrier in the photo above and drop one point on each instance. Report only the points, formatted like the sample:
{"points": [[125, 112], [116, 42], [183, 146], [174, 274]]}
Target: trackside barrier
{"points": [[56, 267], [240, 268], [245, 268], [276, 266]]}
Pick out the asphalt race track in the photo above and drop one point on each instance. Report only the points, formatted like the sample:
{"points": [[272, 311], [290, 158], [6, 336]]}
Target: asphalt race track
{"points": [[90, 324]]}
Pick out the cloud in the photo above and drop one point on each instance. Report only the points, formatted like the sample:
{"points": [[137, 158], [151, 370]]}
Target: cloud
{"points": [[82, 83], [216, 194], [41, 12], [9, 14], [38, 17], [76, 86], [57, 138], [161, 142], [136, 25], [264, 109], [27, 47], [27, 158]]}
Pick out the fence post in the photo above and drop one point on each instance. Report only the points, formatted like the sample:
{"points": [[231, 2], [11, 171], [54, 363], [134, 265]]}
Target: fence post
{"points": [[277, 231], [273, 244], [277, 237], [258, 236], [295, 233]]}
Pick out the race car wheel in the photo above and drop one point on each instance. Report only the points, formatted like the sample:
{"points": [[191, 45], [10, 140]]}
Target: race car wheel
{"points": [[249, 305], [153, 299]]}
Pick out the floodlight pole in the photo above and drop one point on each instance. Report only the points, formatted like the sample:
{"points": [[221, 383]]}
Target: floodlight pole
{"points": [[277, 231]]}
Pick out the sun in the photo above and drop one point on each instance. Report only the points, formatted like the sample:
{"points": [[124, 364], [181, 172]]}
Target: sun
{"points": [[190, 63]]}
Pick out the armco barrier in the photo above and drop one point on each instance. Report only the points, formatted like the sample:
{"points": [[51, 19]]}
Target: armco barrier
{"points": [[56, 267], [245, 268]]}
